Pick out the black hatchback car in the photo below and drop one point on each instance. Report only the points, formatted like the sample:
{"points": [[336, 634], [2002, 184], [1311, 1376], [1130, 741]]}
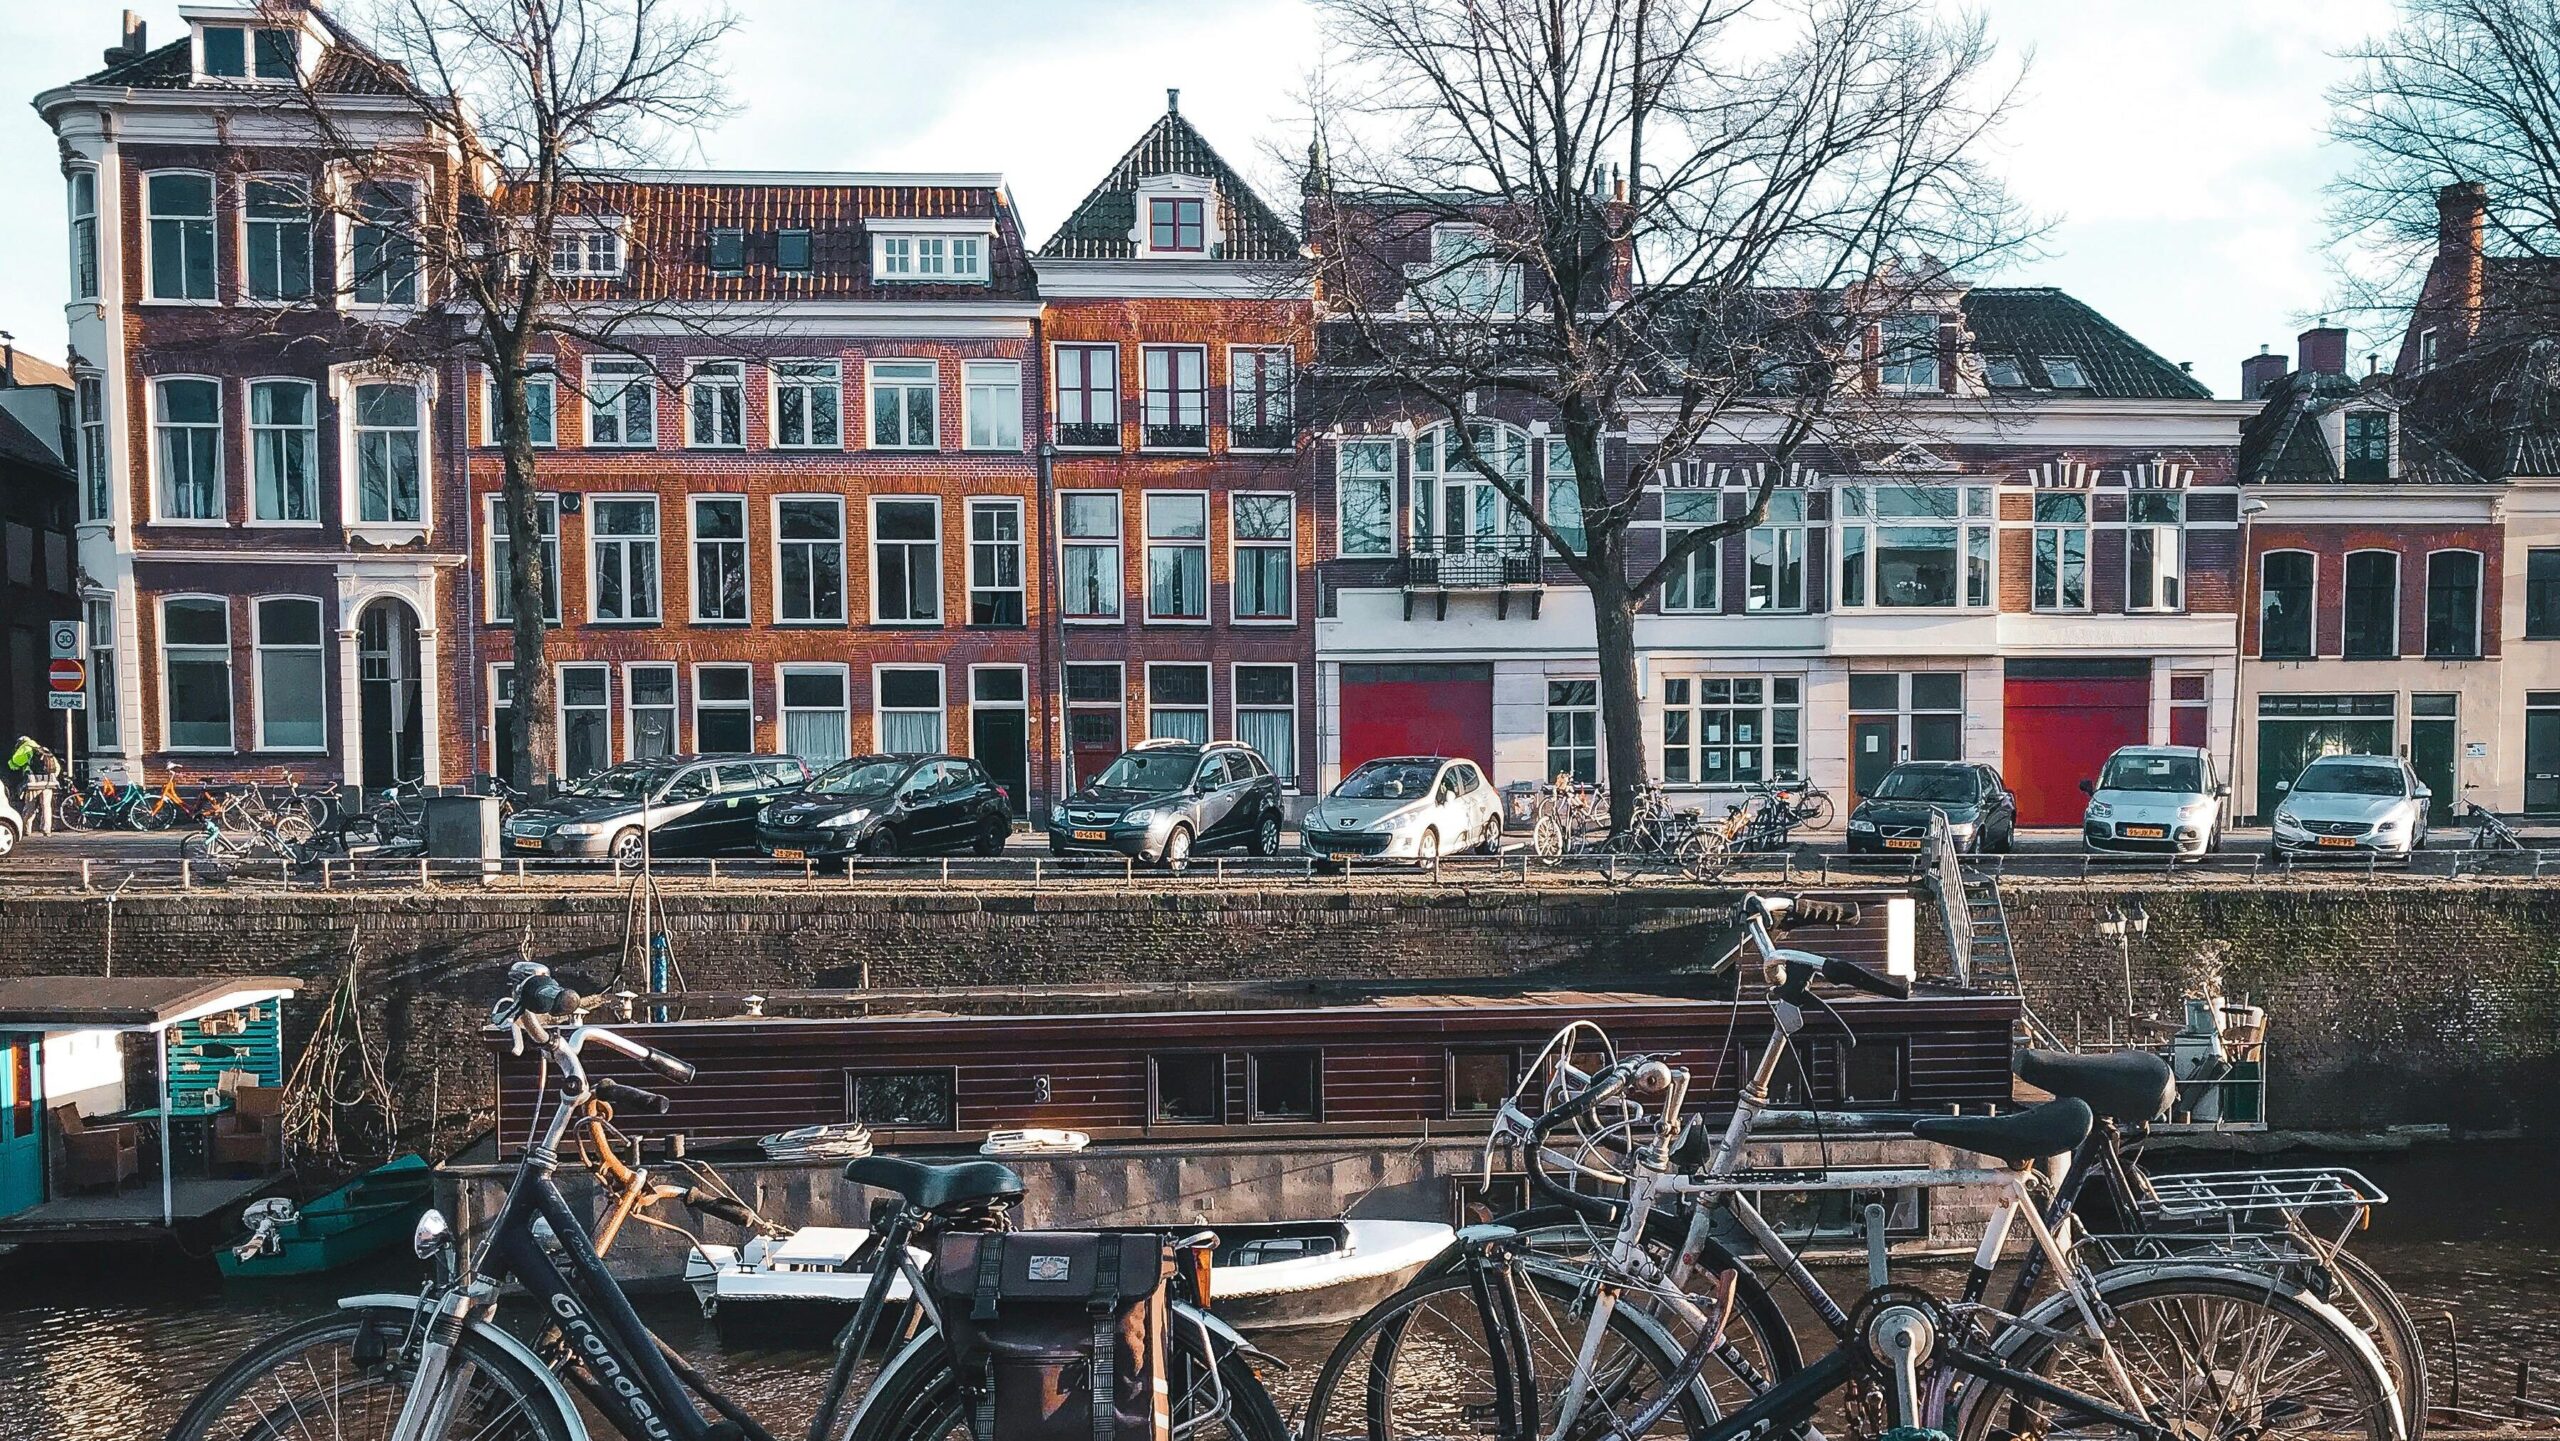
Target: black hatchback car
{"points": [[889, 806], [1980, 811], [1167, 799], [671, 805]]}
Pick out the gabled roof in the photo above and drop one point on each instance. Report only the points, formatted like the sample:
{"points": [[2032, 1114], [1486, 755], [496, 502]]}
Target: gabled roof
{"points": [[2496, 406], [2284, 443], [2030, 323], [1100, 226]]}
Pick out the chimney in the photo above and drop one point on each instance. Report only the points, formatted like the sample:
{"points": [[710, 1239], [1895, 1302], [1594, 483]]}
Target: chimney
{"points": [[2462, 226], [2323, 349], [134, 45], [2260, 372], [1172, 101]]}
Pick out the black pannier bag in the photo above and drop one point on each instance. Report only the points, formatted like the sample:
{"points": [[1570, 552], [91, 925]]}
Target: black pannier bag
{"points": [[1058, 1335]]}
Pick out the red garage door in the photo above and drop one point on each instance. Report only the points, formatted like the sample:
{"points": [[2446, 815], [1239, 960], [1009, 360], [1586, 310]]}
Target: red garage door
{"points": [[2064, 718], [1417, 710]]}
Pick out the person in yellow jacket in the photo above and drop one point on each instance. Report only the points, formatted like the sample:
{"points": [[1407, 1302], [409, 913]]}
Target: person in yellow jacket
{"points": [[42, 772]]}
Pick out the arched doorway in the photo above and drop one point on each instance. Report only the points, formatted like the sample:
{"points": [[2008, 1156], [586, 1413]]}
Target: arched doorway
{"points": [[387, 669]]}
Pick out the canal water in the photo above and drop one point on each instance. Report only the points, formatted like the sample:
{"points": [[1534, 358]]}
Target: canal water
{"points": [[101, 1348]]}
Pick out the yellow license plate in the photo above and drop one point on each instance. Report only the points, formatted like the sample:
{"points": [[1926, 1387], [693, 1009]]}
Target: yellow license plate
{"points": [[2340, 842], [1338, 857], [1901, 843], [2145, 833], [528, 843], [1093, 835], [790, 855]]}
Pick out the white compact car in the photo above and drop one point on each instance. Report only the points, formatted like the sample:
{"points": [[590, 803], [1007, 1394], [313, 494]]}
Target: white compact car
{"points": [[12, 825], [1415, 808]]}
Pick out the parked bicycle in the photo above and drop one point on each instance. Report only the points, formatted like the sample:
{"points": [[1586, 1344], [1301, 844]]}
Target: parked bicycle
{"points": [[441, 1366], [242, 827], [1778, 809], [2488, 832]]}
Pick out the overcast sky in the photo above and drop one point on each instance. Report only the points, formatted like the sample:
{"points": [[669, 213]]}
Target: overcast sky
{"points": [[2177, 142]]}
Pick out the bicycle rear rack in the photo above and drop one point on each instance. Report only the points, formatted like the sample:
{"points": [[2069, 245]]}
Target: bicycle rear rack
{"points": [[2252, 1250], [2192, 1197]]}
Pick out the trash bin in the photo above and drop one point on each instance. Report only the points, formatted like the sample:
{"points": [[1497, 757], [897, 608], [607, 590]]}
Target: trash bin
{"points": [[462, 827]]}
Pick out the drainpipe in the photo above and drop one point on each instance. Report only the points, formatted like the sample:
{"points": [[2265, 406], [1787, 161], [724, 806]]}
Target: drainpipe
{"points": [[1053, 635], [2250, 508], [468, 685]]}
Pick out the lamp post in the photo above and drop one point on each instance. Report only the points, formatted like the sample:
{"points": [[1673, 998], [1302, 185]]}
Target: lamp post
{"points": [[2121, 927], [2251, 507]]}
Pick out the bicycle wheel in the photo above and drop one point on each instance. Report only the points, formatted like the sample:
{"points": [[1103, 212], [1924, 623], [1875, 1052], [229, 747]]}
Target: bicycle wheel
{"points": [[1814, 810], [293, 828], [1417, 1368], [342, 1377], [915, 1397], [1547, 839], [2214, 1357]]}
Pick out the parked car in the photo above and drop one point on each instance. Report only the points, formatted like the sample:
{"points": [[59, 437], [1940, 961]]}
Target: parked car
{"points": [[12, 825], [2352, 804], [1164, 800], [2161, 799], [1405, 807], [889, 806], [1980, 810], [688, 806]]}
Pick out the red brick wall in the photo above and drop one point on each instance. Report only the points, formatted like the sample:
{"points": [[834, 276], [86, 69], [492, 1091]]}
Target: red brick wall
{"points": [[2332, 543]]}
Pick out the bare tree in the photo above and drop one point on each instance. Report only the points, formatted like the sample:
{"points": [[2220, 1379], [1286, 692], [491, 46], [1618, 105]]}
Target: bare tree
{"points": [[1700, 205], [2459, 90], [529, 117]]}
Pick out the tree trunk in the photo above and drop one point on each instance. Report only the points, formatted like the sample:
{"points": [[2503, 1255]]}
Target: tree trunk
{"points": [[532, 702], [1613, 619]]}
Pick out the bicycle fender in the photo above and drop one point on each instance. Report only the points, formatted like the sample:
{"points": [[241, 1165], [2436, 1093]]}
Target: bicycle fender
{"points": [[505, 1340], [1225, 1334]]}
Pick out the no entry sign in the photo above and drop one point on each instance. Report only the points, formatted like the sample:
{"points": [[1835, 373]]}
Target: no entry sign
{"points": [[67, 675]]}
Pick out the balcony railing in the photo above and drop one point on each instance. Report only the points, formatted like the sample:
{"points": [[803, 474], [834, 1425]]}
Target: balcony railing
{"points": [[1177, 437], [1470, 562], [1261, 437], [1089, 435]]}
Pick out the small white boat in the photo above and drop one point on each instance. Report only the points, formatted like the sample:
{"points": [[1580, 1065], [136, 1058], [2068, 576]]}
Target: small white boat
{"points": [[1034, 1141], [1267, 1276]]}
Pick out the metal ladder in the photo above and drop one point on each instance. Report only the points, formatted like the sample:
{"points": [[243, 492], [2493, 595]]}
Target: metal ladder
{"points": [[1994, 963]]}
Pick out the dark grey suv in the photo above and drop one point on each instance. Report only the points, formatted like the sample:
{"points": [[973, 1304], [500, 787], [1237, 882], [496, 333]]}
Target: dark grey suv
{"points": [[1166, 799]]}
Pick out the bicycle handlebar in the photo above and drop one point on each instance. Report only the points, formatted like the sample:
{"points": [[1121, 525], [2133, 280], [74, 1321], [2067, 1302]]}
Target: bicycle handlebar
{"points": [[616, 1093]]}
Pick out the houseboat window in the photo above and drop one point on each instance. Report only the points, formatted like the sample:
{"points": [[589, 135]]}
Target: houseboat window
{"points": [[1285, 1086], [909, 1100], [1871, 1073], [1480, 1081], [1191, 1090]]}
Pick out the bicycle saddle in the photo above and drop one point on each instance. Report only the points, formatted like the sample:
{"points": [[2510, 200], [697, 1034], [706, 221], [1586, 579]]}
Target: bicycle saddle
{"points": [[2127, 1087], [933, 1188], [2020, 1136]]}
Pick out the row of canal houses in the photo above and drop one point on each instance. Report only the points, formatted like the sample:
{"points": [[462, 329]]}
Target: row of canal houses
{"points": [[1034, 502]]}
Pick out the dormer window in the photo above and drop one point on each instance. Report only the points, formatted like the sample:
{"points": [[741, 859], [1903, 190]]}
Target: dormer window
{"points": [[1463, 276], [1178, 217], [1177, 223], [586, 250], [242, 52], [728, 250], [2368, 445], [2063, 372], [2002, 372], [1907, 352], [924, 255]]}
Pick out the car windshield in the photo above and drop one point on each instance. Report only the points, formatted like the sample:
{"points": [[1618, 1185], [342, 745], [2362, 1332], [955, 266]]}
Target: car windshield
{"points": [[2347, 778], [2176, 775], [623, 782], [1388, 781], [866, 777], [1928, 785], [1156, 772]]}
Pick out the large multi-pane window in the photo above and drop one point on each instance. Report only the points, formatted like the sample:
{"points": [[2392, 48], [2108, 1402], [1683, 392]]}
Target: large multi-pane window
{"points": [[84, 234], [2155, 556], [501, 593], [719, 558], [586, 719], [1732, 731], [992, 403], [1177, 397], [1089, 554], [383, 249], [622, 402], [1267, 715], [904, 406], [906, 561], [291, 669], [1258, 416], [1573, 729], [284, 455], [1691, 585], [2371, 615], [91, 395], [2062, 550], [815, 714], [622, 533], [1178, 702], [387, 435], [809, 578], [1915, 545], [2453, 605], [195, 659], [1177, 556], [2286, 579], [178, 219], [1088, 396], [1774, 555], [277, 216], [1364, 496], [186, 418], [2542, 595], [995, 562], [724, 715], [910, 710], [1456, 506], [1265, 542], [716, 405], [649, 710], [106, 720], [808, 401]]}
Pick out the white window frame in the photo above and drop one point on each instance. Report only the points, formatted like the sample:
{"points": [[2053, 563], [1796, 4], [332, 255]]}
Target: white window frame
{"points": [[1777, 534], [1964, 520], [941, 710], [1913, 359], [744, 550], [811, 376], [494, 576], [1694, 746], [1146, 579], [872, 514], [560, 704], [1238, 545], [1208, 707], [544, 376], [2061, 531], [348, 279], [697, 704], [309, 430], [1295, 709], [580, 236], [345, 384], [844, 582], [1498, 442], [1705, 563], [715, 377], [633, 372], [2399, 591], [631, 708], [783, 710], [1386, 479], [929, 252], [1288, 405], [86, 279], [221, 479], [212, 219], [89, 401], [491, 704], [1548, 709], [259, 646], [1559, 480], [996, 379], [998, 504], [248, 227], [1117, 545], [1175, 394], [622, 545], [2313, 602], [230, 678], [871, 386], [2479, 602], [2176, 556], [106, 708]]}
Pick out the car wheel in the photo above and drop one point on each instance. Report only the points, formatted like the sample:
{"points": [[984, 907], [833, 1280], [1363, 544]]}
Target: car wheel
{"points": [[625, 849], [1266, 841], [8, 838], [991, 840], [1057, 847], [881, 844], [1427, 849], [1177, 848], [1492, 842]]}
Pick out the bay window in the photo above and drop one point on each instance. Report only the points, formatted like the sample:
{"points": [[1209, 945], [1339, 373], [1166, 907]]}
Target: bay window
{"points": [[1263, 541], [283, 450], [2062, 550], [84, 234], [2155, 550], [1364, 488], [1089, 559], [90, 393], [106, 728], [1914, 545], [285, 631], [387, 435]]}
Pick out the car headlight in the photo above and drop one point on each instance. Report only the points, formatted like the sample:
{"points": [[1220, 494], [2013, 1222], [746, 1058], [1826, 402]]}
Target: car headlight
{"points": [[849, 818], [1143, 815], [579, 828], [2391, 823], [2285, 821], [2099, 811], [1856, 824]]}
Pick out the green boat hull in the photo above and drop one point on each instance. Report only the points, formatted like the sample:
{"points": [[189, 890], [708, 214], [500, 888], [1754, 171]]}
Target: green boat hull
{"points": [[358, 1220]]}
